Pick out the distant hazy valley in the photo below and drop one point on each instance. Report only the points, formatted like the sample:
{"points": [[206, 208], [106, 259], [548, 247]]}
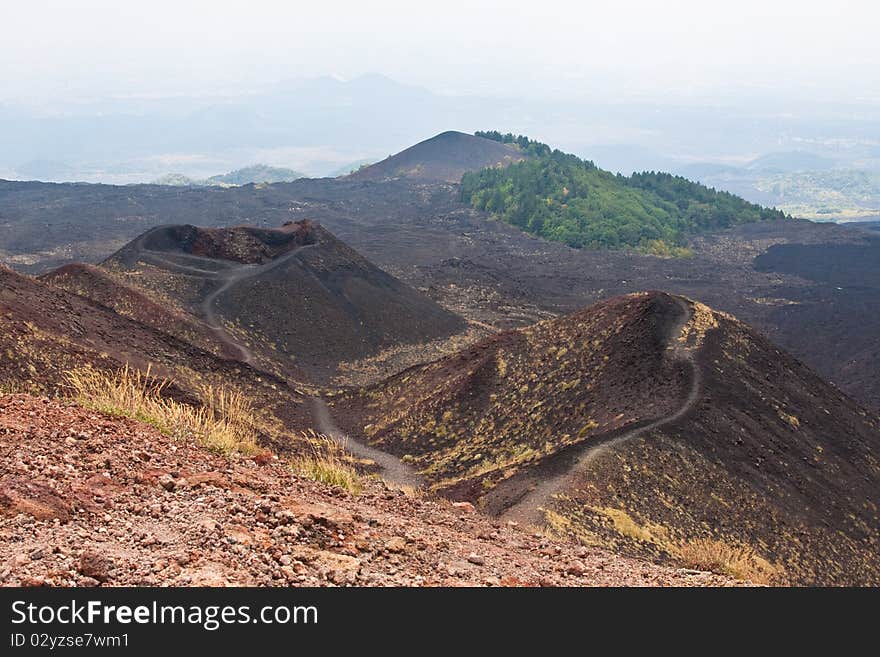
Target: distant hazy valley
{"points": [[800, 184], [807, 164]]}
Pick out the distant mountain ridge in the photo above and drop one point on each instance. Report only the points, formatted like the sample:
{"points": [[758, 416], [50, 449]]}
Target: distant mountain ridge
{"points": [[790, 162], [257, 173], [800, 183]]}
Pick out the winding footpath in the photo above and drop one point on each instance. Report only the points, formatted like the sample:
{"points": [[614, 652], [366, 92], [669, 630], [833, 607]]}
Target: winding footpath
{"points": [[227, 276], [393, 469], [529, 509]]}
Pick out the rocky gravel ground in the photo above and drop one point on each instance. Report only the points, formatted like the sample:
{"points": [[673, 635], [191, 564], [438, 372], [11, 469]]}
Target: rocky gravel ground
{"points": [[90, 500]]}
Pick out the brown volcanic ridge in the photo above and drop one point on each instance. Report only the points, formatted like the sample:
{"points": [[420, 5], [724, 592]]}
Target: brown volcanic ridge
{"points": [[47, 332], [295, 300], [102, 287], [443, 158], [649, 424]]}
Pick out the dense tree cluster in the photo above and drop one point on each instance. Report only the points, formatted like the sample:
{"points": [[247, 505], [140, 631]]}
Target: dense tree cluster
{"points": [[529, 146], [564, 198]]}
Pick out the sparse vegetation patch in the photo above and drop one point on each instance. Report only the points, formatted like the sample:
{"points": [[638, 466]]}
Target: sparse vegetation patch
{"points": [[224, 422], [739, 561], [327, 462]]}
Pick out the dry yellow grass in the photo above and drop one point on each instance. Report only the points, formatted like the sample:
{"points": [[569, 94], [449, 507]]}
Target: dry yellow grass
{"points": [[327, 463], [738, 561], [224, 422]]}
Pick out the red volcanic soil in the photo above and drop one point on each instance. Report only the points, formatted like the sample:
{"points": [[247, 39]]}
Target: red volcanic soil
{"points": [[91, 500], [444, 158]]}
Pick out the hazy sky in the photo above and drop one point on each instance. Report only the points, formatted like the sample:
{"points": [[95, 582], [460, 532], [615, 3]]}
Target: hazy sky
{"points": [[64, 48]]}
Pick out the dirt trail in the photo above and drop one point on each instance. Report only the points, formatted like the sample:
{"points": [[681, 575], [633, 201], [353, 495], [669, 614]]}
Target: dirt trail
{"points": [[529, 509], [227, 277], [166, 263], [393, 469], [210, 314]]}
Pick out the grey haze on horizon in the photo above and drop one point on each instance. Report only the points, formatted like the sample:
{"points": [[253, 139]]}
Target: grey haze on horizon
{"points": [[125, 92], [632, 48]]}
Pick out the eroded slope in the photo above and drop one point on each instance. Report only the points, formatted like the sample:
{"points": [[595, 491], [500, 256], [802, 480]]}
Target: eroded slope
{"points": [[652, 424], [294, 299], [46, 332], [509, 402], [771, 457]]}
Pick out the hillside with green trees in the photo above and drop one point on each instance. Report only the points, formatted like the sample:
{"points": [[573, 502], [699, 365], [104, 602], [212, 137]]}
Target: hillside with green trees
{"points": [[258, 173], [563, 198]]}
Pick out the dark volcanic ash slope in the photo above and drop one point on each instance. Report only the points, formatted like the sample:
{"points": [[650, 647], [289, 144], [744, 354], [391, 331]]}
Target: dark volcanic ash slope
{"points": [[295, 293], [770, 456], [652, 424], [101, 287], [444, 158], [504, 404], [47, 331]]}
